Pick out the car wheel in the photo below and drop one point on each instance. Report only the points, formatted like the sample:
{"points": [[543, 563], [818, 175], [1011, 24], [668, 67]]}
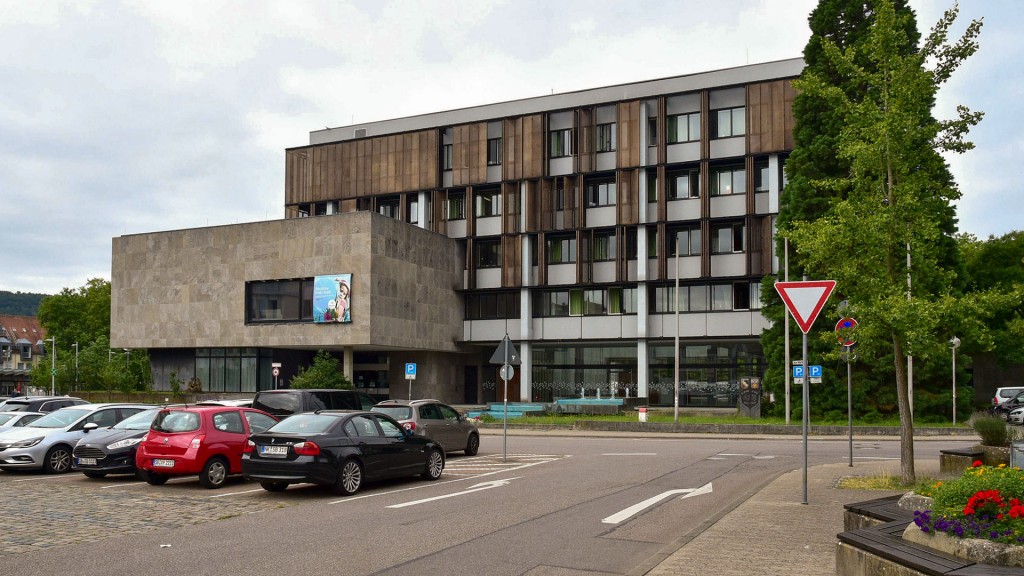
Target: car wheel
{"points": [[152, 478], [435, 464], [350, 478], [58, 460], [214, 473], [274, 486], [94, 474], [472, 445]]}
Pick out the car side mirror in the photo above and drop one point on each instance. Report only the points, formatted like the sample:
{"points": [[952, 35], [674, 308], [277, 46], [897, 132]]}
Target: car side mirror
{"points": [[90, 427]]}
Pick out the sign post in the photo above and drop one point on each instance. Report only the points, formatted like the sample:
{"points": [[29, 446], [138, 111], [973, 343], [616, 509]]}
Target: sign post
{"points": [[275, 369], [410, 375], [804, 300], [506, 355], [844, 332]]}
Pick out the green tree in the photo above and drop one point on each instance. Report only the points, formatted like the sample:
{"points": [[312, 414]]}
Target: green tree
{"points": [[323, 373], [81, 315], [895, 202], [997, 265]]}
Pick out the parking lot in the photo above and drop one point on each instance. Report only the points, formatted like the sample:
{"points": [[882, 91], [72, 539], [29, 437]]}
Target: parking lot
{"points": [[40, 511]]}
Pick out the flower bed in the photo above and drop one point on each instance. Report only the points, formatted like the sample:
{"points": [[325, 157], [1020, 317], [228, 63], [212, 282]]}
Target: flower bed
{"points": [[986, 503]]}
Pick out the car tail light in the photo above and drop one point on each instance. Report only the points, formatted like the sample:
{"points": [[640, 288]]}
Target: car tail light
{"points": [[197, 442], [144, 437], [410, 426], [306, 449], [249, 447]]}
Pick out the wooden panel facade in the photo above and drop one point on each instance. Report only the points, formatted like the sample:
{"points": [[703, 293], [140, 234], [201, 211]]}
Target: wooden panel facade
{"points": [[628, 126], [770, 111]]}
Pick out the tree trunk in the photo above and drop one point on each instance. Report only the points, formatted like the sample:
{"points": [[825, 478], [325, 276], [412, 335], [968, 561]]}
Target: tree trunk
{"points": [[907, 475]]}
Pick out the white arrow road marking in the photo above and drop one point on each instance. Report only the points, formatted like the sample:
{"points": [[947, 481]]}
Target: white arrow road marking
{"points": [[638, 508], [470, 490]]}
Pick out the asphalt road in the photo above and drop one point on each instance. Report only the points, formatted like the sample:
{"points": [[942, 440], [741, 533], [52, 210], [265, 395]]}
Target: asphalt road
{"points": [[551, 506]]}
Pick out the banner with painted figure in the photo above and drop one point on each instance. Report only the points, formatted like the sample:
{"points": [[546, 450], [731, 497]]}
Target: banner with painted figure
{"points": [[332, 298]]}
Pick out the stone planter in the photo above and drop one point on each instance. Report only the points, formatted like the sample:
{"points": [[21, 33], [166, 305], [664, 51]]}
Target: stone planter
{"points": [[975, 550], [994, 455]]}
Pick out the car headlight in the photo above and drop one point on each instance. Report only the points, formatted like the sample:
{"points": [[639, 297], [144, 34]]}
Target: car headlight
{"points": [[27, 443], [124, 443]]}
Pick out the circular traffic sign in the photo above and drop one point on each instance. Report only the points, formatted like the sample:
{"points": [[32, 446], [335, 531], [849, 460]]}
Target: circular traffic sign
{"points": [[276, 371], [507, 372], [844, 331]]}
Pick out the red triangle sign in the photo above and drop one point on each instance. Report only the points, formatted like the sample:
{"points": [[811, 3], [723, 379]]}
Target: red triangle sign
{"points": [[805, 299]]}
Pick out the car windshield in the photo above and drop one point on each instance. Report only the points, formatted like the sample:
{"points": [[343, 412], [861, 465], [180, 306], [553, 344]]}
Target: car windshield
{"points": [[14, 406], [139, 421], [304, 424], [278, 404], [5, 418], [60, 418], [396, 412], [176, 421]]}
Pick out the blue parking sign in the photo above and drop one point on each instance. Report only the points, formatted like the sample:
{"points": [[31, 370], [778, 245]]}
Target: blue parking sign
{"points": [[815, 371], [798, 371], [410, 369]]}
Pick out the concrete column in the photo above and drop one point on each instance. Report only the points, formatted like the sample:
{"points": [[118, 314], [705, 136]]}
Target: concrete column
{"points": [[348, 363]]}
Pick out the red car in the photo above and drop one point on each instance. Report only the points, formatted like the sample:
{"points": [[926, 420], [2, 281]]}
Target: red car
{"points": [[204, 440]]}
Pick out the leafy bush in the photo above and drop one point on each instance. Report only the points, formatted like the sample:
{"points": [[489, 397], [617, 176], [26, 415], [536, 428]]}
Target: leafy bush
{"points": [[992, 429], [322, 374]]}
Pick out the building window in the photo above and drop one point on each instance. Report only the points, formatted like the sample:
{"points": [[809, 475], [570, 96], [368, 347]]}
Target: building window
{"points": [[761, 176], [684, 184], [605, 138], [683, 128], [688, 240], [388, 207], [728, 180], [455, 206], [446, 157], [561, 143], [487, 253], [729, 122], [604, 246], [652, 186], [493, 151], [721, 297], [413, 209], [691, 299], [488, 203], [727, 238], [492, 305], [279, 300], [601, 192], [621, 300], [561, 249], [652, 242], [550, 303], [652, 131]]}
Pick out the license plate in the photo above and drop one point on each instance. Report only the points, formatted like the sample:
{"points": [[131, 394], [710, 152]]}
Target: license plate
{"points": [[87, 461], [273, 450], [157, 463]]}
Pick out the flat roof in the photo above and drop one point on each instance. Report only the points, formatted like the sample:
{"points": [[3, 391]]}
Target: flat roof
{"points": [[724, 78]]}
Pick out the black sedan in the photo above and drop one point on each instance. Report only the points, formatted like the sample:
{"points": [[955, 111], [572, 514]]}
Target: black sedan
{"points": [[112, 450], [341, 449]]}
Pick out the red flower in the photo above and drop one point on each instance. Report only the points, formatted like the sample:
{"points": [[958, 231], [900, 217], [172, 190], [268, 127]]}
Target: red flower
{"points": [[976, 463]]}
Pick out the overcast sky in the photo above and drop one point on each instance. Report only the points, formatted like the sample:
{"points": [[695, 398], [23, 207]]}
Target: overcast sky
{"points": [[142, 116]]}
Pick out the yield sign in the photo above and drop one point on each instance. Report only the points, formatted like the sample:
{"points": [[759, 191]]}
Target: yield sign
{"points": [[805, 299]]}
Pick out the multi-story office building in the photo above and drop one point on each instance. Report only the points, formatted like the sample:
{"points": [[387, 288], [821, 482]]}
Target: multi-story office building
{"points": [[564, 221]]}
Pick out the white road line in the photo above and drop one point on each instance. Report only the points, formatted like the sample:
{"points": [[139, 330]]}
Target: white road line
{"points": [[470, 490], [637, 508], [630, 454]]}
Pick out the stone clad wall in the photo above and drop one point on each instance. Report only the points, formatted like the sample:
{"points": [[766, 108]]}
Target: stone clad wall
{"points": [[186, 288]]}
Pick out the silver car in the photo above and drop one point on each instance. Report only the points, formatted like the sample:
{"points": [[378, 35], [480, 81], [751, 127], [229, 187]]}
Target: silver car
{"points": [[17, 419], [47, 442], [435, 420]]}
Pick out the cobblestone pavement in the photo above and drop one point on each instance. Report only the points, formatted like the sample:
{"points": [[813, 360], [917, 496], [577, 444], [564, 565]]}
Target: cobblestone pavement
{"points": [[44, 512]]}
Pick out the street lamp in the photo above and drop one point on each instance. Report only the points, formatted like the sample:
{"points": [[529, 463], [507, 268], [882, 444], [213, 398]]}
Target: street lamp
{"points": [[125, 358], [53, 364], [955, 343], [675, 399], [75, 346]]}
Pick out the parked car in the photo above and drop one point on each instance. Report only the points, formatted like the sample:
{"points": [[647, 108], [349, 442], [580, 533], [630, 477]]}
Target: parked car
{"points": [[112, 450], [204, 440], [1016, 416], [17, 419], [435, 420], [282, 403], [48, 442], [246, 403], [1004, 408], [1004, 394], [39, 403], [340, 449]]}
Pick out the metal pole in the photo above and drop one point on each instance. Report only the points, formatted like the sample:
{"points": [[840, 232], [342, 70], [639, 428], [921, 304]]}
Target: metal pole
{"points": [[955, 343], [504, 415], [806, 407], [53, 365], [76, 365], [675, 399], [849, 399], [910, 357], [786, 329]]}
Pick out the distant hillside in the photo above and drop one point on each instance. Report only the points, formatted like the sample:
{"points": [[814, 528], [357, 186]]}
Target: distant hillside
{"points": [[20, 303]]}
